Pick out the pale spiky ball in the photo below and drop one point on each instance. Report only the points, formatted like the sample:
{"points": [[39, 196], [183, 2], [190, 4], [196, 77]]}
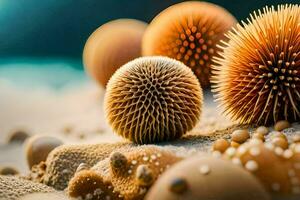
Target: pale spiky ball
{"points": [[153, 99], [188, 32], [258, 74]]}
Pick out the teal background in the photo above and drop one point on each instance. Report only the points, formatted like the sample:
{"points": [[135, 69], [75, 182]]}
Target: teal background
{"points": [[59, 28]]}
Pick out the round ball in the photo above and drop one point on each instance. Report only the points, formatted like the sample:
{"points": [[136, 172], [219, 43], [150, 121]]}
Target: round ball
{"points": [[18, 136], [8, 170], [206, 178], [153, 99], [257, 76], [37, 148], [112, 45], [189, 32]]}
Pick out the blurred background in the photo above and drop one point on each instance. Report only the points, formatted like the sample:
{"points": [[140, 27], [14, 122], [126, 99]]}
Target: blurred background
{"points": [[43, 86], [60, 28]]}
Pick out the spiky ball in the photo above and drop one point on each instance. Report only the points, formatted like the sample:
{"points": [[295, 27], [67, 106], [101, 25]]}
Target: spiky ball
{"points": [[188, 32], [112, 45], [257, 76], [153, 99]]}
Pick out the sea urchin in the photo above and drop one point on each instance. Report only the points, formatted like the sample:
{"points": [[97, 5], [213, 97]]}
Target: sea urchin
{"points": [[257, 76], [152, 99], [188, 32]]}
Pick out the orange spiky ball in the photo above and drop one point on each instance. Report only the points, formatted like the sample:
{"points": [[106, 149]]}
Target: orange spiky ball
{"points": [[112, 45], [188, 32], [257, 75]]}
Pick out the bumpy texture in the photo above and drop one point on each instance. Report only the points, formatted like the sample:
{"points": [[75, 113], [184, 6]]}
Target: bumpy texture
{"points": [[206, 177], [257, 76], [153, 99], [12, 188], [133, 179], [276, 168], [63, 161], [87, 184], [125, 175], [189, 32], [111, 46]]}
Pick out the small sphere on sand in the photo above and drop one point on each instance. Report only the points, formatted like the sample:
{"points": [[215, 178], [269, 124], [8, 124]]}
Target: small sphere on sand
{"points": [[281, 125], [38, 147], [153, 99], [221, 145], [204, 178], [296, 138], [277, 134], [111, 46], [189, 32], [18, 136], [262, 129], [8, 170], [234, 144], [240, 136], [258, 135], [280, 142]]}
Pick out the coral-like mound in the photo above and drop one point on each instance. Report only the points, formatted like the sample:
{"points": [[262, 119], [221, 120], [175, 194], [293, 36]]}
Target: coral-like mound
{"points": [[12, 188], [137, 170], [111, 46], [257, 75], [88, 184], [189, 32], [153, 99], [127, 175], [205, 177], [277, 168], [62, 162]]}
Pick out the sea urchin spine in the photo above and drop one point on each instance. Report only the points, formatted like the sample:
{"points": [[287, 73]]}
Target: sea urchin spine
{"points": [[257, 76], [153, 99]]}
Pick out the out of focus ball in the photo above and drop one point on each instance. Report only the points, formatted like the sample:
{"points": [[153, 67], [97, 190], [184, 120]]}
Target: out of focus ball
{"points": [[37, 148], [111, 46]]}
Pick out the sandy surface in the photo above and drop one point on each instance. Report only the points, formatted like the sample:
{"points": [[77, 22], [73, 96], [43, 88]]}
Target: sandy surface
{"points": [[72, 113]]}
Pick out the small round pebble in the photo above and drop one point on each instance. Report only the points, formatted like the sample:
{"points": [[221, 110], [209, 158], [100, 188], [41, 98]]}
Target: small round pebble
{"points": [[258, 135], [240, 136], [278, 134], [296, 138], [18, 136], [280, 142], [221, 145], [38, 147], [234, 144], [262, 130], [8, 170], [281, 125]]}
